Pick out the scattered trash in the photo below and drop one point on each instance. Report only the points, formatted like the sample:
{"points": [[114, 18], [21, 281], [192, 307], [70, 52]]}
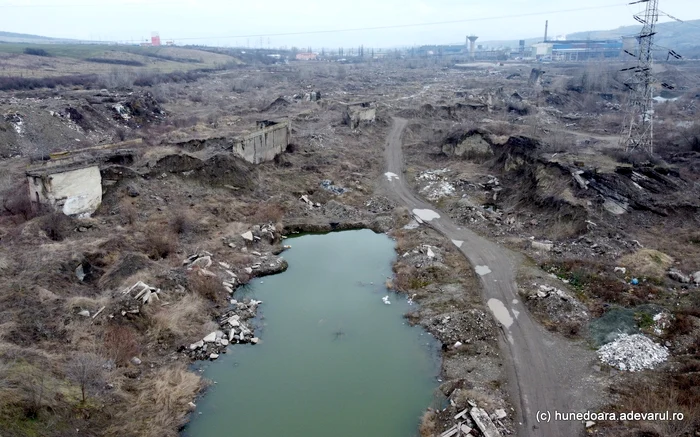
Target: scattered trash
{"points": [[634, 281], [385, 299]]}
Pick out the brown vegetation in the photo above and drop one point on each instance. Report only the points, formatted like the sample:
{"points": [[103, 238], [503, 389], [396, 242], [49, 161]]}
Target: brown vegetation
{"points": [[120, 344]]}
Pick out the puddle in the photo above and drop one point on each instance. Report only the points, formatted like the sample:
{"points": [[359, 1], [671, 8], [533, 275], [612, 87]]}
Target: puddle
{"points": [[482, 270], [500, 312]]}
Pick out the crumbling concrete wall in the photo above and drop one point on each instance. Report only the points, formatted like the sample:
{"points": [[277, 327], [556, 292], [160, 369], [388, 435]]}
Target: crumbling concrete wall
{"points": [[358, 113], [72, 191], [472, 145], [271, 139]]}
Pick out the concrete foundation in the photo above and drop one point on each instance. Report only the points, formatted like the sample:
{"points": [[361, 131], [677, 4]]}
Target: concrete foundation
{"points": [[264, 144], [358, 113], [75, 191]]}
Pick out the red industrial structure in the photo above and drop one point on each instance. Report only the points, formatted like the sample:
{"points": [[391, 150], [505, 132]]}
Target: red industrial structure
{"points": [[155, 39]]}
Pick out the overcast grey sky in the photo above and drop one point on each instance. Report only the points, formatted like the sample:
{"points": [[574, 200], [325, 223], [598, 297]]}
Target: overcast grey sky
{"points": [[238, 23]]}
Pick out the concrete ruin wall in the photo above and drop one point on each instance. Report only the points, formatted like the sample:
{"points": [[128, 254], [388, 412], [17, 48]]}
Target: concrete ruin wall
{"points": [[74, 192], [358, 114], [264, 144]]}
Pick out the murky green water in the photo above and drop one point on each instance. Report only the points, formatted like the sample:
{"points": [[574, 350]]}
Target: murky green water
{"points": [[333, 360]]}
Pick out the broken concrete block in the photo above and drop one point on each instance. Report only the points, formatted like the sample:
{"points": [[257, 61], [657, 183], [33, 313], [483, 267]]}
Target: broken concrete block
{"points": [[197, 345], [545, 246], [500, 414], [484, 423], [211, 338], [248, 236], [254, 340], [677, 275], [203, 262], [136, 361], [213, 356]]}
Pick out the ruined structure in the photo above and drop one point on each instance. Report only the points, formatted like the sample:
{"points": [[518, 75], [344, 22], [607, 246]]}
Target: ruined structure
{"points": [[358, 113], [269, 140], [71, 182], [72, 190]]}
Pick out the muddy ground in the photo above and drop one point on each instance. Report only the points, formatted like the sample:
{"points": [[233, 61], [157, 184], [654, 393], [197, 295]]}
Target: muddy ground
{"points": [[533, 166]]}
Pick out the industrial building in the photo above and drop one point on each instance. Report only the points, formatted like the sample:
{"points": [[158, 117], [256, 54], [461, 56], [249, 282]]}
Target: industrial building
{"points": [[573, 50]]}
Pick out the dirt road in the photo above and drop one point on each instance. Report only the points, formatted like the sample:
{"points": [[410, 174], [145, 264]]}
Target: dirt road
{"points": [[546, 373]]}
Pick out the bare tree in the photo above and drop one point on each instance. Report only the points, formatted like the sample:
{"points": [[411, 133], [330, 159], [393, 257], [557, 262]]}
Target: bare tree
{"points": [[85, 369]]}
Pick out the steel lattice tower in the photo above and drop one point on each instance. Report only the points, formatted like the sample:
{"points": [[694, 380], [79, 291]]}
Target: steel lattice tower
{"points": [[639, 127]]}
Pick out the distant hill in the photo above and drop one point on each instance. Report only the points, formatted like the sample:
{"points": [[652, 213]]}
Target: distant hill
{"points": [[31, 39], [674, 35]]}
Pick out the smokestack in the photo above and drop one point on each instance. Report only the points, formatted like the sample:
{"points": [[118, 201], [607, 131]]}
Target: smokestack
{"points": [[546, 28], [472, 46]]}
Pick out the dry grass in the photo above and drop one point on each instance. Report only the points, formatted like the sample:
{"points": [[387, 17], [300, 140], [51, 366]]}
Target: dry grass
{"points": [[161, 405], [428, 424], [160, 242], [188, 318], [268, 213], [647, 262], [660, 398]]}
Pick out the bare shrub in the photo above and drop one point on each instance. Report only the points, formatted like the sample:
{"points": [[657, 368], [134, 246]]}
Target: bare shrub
{"points": [[120, 344], [128, 212], [34, 385], [208, 287], [56, 225], [160, 242], [17, 202], [85, 369], [182, 223]]}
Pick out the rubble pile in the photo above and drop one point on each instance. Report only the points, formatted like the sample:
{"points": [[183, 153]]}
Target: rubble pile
{"points": [[633, 353], [437, 187], [328, 185], [234, 330]]}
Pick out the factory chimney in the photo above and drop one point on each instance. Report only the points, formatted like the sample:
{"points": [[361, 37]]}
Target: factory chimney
{"points": [[546, 28]]}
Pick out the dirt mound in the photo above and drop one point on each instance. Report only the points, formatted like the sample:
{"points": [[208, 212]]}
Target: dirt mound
{"points": [[176, 164], [226, 170], [138, 110]]}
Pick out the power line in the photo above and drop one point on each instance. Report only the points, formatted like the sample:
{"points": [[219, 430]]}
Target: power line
{"points": [[399, 26]]}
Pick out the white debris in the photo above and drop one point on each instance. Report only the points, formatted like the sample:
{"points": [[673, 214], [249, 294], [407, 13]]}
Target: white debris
{"points": [[437, 190], [211, 338], [662, 321], [391, 176], [385, 299], [248, 236], [426, 214], [430, 253], [633, 353], [84, 313], [458, 344], [622, 270]]}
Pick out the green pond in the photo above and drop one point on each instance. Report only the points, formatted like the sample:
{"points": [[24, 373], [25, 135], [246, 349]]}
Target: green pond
{"points": [[333, 359]]}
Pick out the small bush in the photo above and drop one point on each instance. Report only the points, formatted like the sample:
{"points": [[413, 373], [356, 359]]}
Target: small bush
{"points": [[18, 203], [181, 223], [36, 52], [208, 287], [160, 242], [57, 226], [120, 344]]}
